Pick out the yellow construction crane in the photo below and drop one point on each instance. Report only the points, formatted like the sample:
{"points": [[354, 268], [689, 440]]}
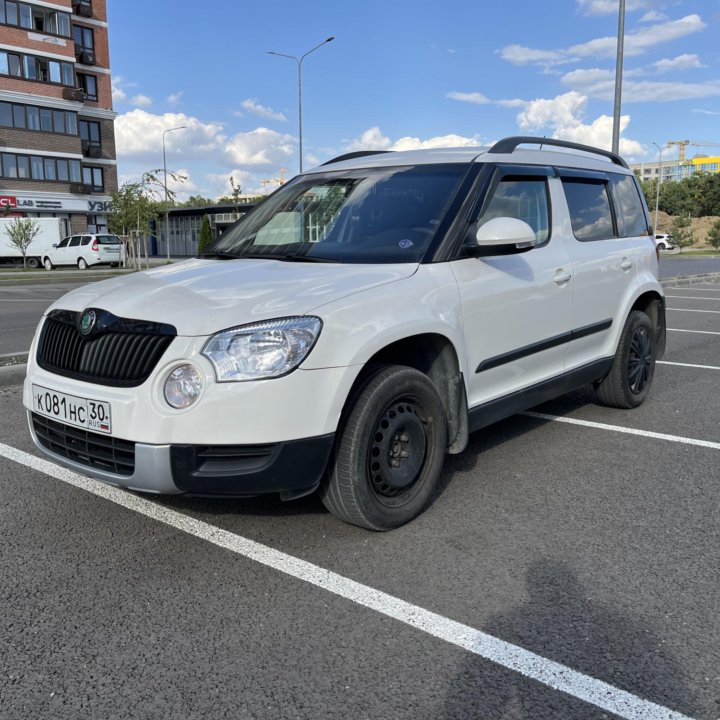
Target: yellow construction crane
{"points": [[682, 144]]}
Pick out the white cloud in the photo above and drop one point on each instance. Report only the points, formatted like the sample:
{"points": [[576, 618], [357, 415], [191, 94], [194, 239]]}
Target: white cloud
{"points": [[512, 103], [174, 99], [118, 94], [371, 139], [220, 183], [181, 183], [261, 146], [653, 16], [139, 134], [253, 106], [563, 116], [606, 47], [475, 98], [705, 112], [681, 62], [607, 7], [141, 101]]}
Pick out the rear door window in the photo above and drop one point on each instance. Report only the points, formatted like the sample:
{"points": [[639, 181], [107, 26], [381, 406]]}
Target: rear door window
{"points": [[589, 206], [75, 241]]}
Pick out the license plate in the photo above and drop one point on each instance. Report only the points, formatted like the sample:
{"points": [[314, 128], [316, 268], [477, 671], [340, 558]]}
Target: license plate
{"points": [[81, 412]]}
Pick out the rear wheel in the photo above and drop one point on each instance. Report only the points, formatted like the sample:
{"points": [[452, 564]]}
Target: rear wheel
{"points": [[33, 263], [629, 380], [389, 452], [82, 265], [47, 264]]}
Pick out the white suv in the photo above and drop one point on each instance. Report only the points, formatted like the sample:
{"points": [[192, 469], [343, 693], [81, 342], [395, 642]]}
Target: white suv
{"points": [[356, 327], [85, 250]]}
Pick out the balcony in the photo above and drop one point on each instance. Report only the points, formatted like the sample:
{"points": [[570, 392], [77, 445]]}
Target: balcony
{"points": [[74, 94]]}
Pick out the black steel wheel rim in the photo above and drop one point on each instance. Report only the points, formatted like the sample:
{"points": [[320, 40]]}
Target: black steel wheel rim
{"points": [[397, 449], [639, 360]]}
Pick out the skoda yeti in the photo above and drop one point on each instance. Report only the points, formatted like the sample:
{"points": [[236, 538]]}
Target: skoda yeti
{"points": [[357, 326]]}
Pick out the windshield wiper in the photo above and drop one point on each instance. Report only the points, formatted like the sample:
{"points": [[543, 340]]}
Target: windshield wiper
{"points": [[219, 255], [289, 258]]}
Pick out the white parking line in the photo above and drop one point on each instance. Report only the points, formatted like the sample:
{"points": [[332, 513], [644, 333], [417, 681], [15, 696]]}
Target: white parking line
{"points": [[700, 332], [549, 673], [716, 312], [690, 365], [622, 429]]}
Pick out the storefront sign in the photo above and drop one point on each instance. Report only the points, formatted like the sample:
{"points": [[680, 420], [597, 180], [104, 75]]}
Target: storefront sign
{"points": [[41, 204], [8, 201], [98, 206]]}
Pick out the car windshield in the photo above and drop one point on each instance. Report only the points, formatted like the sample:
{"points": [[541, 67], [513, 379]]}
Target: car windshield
{"points": [[378, 215], [108, 239]]}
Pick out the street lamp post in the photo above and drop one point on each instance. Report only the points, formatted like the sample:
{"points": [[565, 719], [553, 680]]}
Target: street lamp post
{"points": [[618, 79], [167, 221], [659, 180], [299, 61]]}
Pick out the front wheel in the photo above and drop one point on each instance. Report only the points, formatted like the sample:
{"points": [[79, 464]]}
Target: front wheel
{"points": [[631, 375], [82, 265], [47, 264], [389, 452]]}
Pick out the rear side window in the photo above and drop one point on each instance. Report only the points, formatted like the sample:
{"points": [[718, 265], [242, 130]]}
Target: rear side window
{"points": [[86, 240], [629, 211], [589, 207], [522, 198]]}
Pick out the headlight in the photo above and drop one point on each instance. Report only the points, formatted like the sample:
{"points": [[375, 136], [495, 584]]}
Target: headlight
{"points": [[262, 350], [182, 387]]}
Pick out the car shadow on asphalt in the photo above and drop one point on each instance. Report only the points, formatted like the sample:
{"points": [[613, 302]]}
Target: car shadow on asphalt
{"points": [[561, 622]]}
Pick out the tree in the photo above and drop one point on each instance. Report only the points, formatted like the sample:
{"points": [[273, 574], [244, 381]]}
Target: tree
{"points": [[714, 235], [22, 231], [196, 201], [206, 237], [682, 231]]}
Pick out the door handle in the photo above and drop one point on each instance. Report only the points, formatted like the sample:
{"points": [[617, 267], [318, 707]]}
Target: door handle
{"points": [[562, 276], [626, 263]]}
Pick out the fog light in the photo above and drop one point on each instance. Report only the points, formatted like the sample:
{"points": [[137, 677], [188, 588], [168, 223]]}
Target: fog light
{"points": [[182, 387]]}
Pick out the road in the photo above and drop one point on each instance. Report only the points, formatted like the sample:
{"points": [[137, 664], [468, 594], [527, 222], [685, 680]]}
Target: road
{"points": [[588, 536]]}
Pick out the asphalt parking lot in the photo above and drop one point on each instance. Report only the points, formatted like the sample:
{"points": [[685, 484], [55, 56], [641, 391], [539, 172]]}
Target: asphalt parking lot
{"points": [[569, 570]]}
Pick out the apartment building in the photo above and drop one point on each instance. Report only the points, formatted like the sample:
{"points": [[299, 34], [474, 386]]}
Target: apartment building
{"points": [[57, 138]]}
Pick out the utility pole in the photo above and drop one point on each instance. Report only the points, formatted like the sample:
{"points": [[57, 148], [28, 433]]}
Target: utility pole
{"points": [[618, 79]]}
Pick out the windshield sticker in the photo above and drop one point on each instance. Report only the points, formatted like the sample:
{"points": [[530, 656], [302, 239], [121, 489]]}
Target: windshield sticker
{"points": [[405, 244]]}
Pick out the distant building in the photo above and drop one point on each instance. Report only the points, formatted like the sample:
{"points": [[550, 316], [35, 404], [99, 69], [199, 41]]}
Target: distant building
{"points": [[184, 226], [675, 170], [57, 137]]}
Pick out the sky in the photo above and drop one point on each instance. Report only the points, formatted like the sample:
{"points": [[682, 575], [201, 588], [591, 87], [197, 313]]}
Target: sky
{"points": [[400, 74]]}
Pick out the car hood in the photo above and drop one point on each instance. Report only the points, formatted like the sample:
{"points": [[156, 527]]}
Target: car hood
{"points": [[202, 296]]}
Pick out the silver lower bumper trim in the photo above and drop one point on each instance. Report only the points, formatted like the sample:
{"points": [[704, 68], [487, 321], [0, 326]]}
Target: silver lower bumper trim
{"points": [[152, 468]]}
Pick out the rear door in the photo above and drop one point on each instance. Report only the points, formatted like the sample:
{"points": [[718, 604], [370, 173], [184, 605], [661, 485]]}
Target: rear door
{"points": [[516, 307], [607, 238]]}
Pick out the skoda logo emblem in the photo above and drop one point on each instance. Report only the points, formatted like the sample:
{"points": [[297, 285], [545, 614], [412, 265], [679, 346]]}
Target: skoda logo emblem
{"points": [[87, 322]]}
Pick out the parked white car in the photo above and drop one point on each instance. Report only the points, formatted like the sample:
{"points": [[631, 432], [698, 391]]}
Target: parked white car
{"points": [[356, 327], [85, 250], [664, 241]]}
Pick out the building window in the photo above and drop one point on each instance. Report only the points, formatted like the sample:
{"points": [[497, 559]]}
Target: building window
{"points": [[90, 132], [25, 167], [83, 38], [93, 176], [32, 17], [40, 69], [88, 84]]}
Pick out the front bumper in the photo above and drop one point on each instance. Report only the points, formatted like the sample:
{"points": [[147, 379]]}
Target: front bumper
{"points": [[293, 468]]}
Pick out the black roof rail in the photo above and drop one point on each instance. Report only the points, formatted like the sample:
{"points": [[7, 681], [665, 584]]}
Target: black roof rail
{"points": [[507, 145], [356, 154]]}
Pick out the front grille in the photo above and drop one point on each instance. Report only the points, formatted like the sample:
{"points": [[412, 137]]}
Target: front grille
{"points": [[96, 451], [117, 351]]}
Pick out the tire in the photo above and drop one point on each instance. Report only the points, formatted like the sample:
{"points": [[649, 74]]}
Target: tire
{"points": [[33, 263], [47, 264], [628, 382], [82, 265], [389, 451]]}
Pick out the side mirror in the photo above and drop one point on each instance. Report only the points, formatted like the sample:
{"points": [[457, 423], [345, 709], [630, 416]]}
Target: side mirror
{"points": [[505, 231], [54, 245]]}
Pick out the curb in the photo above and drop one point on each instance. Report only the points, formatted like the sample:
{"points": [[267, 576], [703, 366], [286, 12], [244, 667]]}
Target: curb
{"points": [[684, 281], [13, 359]]}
